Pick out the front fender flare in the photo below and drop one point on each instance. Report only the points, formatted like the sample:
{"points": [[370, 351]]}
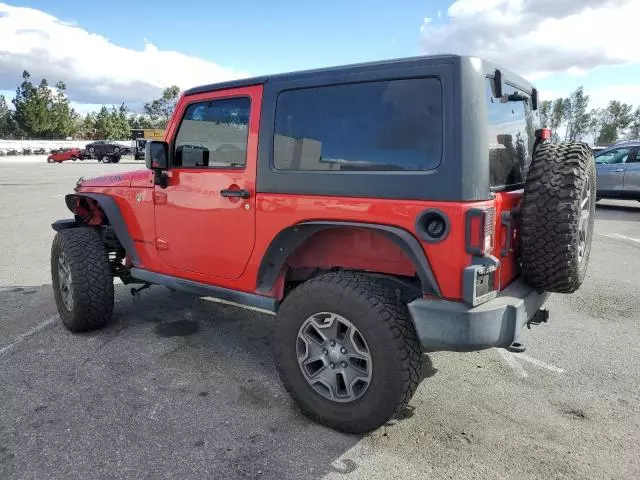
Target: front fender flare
{"points": [[286, 242], [116, 221]]}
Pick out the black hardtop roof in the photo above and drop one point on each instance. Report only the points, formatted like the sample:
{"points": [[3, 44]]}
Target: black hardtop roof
{"points": [[345, 69]]}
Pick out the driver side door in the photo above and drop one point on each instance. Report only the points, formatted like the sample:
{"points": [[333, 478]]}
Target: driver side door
{"points": [[205, 217], [610, 167]]}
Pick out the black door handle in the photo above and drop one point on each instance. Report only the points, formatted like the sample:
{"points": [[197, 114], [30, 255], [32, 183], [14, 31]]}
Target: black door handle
{"points": [[235, 193]]}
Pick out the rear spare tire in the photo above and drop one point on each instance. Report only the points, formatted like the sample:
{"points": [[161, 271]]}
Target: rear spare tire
{"points": [[346, 350], [81, 278], [557, 216]]}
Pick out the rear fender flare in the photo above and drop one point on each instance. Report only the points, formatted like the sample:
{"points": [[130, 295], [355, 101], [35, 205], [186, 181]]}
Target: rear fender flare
{"points": [[289, 239], [116, 221]]}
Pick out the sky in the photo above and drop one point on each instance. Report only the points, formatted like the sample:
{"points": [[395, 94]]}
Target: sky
{"points": [[128, 51]]}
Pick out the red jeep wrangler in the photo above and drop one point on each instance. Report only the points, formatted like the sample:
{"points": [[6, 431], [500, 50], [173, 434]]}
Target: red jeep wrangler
{"points": [[379, 211]]}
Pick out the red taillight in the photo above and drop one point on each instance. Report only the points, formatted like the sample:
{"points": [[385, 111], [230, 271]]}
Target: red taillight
{"points": [[480, 231], [543, 133]]}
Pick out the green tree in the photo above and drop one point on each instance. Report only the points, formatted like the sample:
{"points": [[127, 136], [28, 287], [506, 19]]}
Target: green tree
{"points": [[42, 111], [617, 117], [63, 118], [113, 123], [160, 110], [576, 116], [557, 117], [140, 121], [596, 120], [545, 113], [30, 107], [7, 125], [634, 128]]}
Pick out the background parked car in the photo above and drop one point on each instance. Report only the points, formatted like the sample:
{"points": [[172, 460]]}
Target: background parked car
{"points": [[65, 154], [618, 169], [101, 148]]}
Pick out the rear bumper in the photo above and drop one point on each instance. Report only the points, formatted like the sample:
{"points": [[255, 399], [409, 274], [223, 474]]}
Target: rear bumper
{"points": [[453, 326]]}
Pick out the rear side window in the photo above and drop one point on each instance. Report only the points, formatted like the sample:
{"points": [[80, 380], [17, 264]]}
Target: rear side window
{"points": [[386, 125], [213, 134], [512, 125]]}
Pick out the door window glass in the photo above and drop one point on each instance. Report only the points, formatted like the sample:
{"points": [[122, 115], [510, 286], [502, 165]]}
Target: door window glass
{"points": [[617, 155], [213, 134]]}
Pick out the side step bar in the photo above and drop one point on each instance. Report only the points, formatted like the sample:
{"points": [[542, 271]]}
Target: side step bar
{"points": [[226, 295]]}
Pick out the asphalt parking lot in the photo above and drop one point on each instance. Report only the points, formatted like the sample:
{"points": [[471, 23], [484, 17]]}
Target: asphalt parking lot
{"points": [[180, 388]]}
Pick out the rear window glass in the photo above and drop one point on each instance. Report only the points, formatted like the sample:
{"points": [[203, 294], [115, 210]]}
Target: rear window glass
{"points": [[512, 125], [387, 125]]}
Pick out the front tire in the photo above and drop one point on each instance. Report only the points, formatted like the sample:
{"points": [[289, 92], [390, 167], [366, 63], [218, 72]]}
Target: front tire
{"points": [[81, 278], [346, 351], [105, 159]]}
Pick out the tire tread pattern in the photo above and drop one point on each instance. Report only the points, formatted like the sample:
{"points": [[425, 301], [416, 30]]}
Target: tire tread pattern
{"points": [[550, 216], [91, 275], [395, 317]]}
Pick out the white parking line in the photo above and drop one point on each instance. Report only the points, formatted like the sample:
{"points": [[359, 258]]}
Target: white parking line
{"points": [[513, 363], [22, 337], [537, 362], [623, 237]]}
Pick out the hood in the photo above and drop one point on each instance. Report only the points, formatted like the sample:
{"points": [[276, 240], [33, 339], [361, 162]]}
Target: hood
{"points": [[138, 178]]}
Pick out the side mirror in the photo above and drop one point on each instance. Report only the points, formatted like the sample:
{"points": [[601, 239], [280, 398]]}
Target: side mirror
{"points": [[497, 84], [534, 99], [156, 155], [156, 158]]}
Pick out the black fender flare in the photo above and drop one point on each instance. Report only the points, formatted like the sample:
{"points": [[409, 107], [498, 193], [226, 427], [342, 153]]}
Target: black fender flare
{"points": [[289, 239], [114, 215]]}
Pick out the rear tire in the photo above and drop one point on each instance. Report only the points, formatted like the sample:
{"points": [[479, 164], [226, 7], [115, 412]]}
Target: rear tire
{"points": [[387, 334], [557, 216], [82, 279], [105, 159]]}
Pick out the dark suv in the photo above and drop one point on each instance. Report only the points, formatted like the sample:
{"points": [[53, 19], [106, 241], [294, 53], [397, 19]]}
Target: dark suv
{"points": [[379, 211], [105, 151]]}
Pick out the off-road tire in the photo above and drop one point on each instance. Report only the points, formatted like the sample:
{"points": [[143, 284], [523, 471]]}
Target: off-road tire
{"points": [[115, 159], [105, 159], [385, 324], [551, 207], [91, 276]]}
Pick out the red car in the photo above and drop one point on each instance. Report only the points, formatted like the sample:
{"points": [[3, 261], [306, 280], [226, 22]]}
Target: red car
{"points": [[65, 154], [378, 211]]}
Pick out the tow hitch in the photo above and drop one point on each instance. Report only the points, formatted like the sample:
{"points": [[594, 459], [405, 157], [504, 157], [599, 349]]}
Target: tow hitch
{"points": [[541, 316]]}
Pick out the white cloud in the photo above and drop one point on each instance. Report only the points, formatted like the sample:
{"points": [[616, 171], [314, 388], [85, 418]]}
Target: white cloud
{"points": [[539, 37], [600, 97], [94, 69]]}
